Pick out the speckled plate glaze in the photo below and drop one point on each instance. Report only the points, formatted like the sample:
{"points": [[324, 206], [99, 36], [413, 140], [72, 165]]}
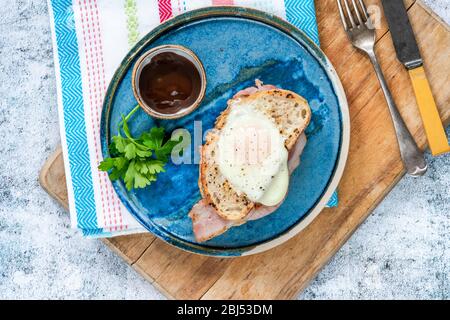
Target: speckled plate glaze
{"points": [[236, 46]]}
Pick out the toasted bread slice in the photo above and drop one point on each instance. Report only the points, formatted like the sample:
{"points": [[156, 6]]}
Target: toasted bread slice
{"points": [[291, 114]]}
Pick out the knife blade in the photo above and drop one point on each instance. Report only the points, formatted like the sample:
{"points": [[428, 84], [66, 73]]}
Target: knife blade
{"points": [[409, 55], [402, 33]]}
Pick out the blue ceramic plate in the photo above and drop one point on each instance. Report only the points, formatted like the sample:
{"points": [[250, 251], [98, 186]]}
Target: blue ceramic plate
{"points": [[236, 46]]}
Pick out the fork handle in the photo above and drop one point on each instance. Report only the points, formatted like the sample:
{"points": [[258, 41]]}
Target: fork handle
{"points": [[410, 153]]}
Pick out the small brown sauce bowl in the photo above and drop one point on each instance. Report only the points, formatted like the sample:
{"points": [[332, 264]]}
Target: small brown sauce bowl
{"points": [[169, 82]]}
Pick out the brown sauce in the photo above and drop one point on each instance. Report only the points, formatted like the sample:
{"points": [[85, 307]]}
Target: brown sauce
{"points": [[169, 83]]}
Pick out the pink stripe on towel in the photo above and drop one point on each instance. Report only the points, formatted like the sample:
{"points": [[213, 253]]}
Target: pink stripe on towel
{"points": [[165, 10], [222, 2]]}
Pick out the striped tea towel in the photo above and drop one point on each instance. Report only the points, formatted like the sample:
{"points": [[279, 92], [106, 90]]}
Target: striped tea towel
{"points": [[90, 38]]}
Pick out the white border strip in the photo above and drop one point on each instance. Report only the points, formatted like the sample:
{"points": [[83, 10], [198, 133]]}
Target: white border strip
{"points": [[73, 216]]}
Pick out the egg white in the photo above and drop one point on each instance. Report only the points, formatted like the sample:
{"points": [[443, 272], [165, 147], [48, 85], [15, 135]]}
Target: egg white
{"points": [[252, 156]]}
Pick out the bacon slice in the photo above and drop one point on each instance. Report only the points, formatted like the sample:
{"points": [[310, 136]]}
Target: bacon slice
{"points": [[259, 87], [207, 224]]}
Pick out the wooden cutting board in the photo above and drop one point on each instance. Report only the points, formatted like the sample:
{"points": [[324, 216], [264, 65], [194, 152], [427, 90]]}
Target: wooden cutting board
{"points": [[373, 168]]}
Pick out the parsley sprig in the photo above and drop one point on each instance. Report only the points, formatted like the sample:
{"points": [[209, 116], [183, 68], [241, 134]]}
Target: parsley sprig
{"points": [[137, 161]]}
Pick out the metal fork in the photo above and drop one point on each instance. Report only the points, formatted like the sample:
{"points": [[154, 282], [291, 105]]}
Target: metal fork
{"points": [[361, 32]]}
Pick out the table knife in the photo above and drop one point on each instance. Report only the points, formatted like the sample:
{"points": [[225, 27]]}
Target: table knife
{"points": [[409, 55]]}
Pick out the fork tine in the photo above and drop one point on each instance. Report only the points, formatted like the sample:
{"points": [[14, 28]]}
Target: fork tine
{"points": [[355, 7], [364, 9], [341, 13], [349, 13]]}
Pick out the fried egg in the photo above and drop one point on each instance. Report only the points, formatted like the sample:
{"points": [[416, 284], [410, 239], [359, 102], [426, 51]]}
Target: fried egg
{"points": [[252, 156]]}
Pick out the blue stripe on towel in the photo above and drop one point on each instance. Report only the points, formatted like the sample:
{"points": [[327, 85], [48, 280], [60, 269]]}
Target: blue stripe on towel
{"points": [[302, 14], [74, 120]]}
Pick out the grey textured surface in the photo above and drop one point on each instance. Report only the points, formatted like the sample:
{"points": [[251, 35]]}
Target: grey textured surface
{"points": [[401, 251]]}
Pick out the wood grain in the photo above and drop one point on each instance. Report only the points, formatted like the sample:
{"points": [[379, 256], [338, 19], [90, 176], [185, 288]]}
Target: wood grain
{"points": [[373, 168]]}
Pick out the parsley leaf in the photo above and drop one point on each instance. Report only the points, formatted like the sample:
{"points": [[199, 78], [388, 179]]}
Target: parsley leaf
{"points": [[130, 151], [154, 138], [129, 176], [107, 164], [137, 161], [143, 153], [120, 162], [119, 143], [165, 150]]}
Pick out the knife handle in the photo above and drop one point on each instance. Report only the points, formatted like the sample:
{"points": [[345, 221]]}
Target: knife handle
{"points": [[432, 123]]}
